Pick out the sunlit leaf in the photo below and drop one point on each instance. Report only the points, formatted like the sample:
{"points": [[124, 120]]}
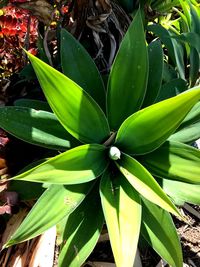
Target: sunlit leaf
{"points": [[78, 165], [182, 192], [144, 183], [174, 160], [75, 109], [148, 128], [122, 211], [82, 231], [188, 134], [129, 74], [36, 127], [160, 232], [78, 65], [56, 202]]}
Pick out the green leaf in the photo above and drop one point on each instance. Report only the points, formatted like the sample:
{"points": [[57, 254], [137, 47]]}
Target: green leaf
{"points": [[78, 165], [155, 72], [179, 57], [56, 202], [78, 65], [144, 183], [32, 103], [171, 89], [82, 231], [122, 211], [128, 5], [128, 78], [75, 109], [160, 232], [182, 192], [188, 134], [176, 161], [36, 127], [194, 65], [148, 128], [164, 36], [164, 6], [193, 39], [26, 190], [192, 117]]}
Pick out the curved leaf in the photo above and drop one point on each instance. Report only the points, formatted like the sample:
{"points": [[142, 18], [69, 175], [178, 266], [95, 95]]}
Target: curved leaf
{"points": [[164, 36], [75, 109], [155, 72], [160, 232], [182, 192], [78, 65], [192, 117], [122, 211], [188, 134], [55, 203], [78, 165], [81, 231], [171, 89], [32, 103], [176, 161], [148, 128], [36, 127], [128, 78], [144, 183]]}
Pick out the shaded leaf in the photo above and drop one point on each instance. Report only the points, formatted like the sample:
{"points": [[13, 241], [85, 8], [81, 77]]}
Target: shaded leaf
{"points": [[129, 74], [122, 211], [78, 165], [144, 183], [82, 231], [32, 103], [78, 65], [171, 89], [155, 72], [55, 203], [160, 232], [75, 109], [148, 128], [174, 160], [36, 127]]}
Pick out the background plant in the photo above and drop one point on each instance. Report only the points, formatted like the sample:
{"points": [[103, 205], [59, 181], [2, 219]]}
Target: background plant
{"points": [[138, 132]]}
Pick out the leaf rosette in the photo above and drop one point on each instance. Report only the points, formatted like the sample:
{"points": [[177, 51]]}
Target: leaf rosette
{"points": [[118, 163]]}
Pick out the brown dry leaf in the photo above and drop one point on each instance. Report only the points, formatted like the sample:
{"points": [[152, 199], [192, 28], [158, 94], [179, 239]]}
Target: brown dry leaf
{"points": [[12, 225]]}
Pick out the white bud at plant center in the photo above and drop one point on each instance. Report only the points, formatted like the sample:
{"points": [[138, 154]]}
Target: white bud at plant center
{"points": [[114, 153]]}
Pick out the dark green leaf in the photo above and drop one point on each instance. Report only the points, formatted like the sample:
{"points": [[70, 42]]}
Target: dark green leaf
{"points": [[176, 161], [128, 78], [32, 103], [78, 165], [164, 36], [172, 88], [122, 211], [148, 128], [75, 109], [56, 202], [160, 232], [78, 65], [144, 183], [82, 231], [36, 127], [194, 65], [155, 72]]}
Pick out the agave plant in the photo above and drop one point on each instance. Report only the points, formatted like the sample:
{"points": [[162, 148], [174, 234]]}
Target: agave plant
{"points": [[121, 152]]}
